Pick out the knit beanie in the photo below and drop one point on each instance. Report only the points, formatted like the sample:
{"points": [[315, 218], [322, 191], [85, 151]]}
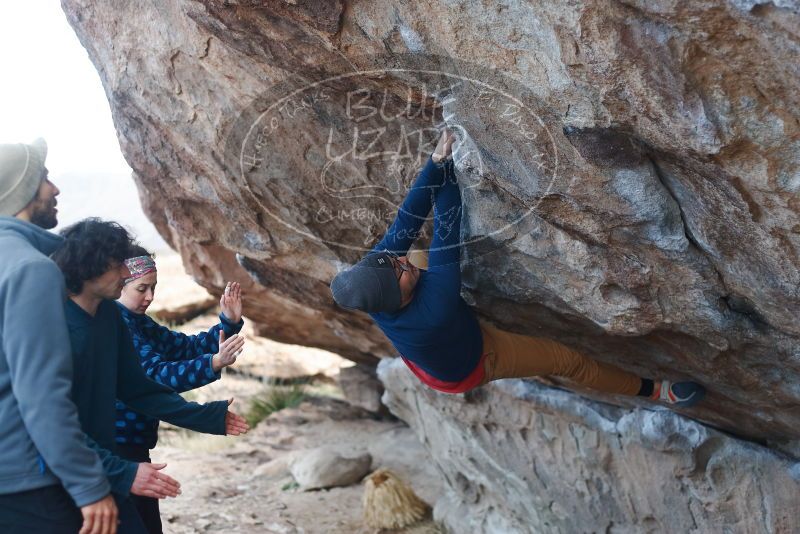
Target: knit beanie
{"points": [[370, 285], [21, 169]]}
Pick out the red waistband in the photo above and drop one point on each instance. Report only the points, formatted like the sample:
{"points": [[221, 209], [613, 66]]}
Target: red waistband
{"points": [[473, 380]]}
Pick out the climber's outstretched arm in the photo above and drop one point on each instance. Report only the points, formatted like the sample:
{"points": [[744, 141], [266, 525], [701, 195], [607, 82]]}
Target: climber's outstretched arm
{"points": [[413, 212], [446, 243]]}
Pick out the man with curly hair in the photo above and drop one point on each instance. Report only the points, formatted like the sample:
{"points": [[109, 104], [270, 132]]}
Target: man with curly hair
{"points": [[92, 259]]}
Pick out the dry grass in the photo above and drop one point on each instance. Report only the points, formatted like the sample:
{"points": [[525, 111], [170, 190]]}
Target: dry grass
{"points": [[274, 399], [390, 503]]}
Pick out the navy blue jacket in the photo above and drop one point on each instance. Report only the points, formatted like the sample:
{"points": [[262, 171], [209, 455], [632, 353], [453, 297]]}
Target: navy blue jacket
{"points": [[174, 359], [107, 368], [436, 330]]}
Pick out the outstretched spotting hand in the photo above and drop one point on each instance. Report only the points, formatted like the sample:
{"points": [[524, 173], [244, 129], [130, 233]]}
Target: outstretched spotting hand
{"points": [[235, 424], [229, 350], [150, 482], [231, 302], [444, 149]]}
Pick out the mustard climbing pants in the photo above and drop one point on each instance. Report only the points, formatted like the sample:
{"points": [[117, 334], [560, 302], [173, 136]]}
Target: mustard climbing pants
{"points": [[516, 356]]}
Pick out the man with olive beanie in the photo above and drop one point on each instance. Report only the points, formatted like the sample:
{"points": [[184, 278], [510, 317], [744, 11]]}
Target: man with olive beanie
{"points": [[437, 334], [50, 480]]}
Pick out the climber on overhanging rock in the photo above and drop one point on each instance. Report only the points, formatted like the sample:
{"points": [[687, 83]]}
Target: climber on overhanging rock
{"points": [[438, 336]]}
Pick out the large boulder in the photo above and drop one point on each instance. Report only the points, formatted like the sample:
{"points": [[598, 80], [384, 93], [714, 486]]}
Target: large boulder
{"points": [[630, 170], [645, 152]]}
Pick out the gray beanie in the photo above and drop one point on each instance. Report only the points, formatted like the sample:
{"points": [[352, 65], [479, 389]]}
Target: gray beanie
{"points": [[370, 285], [21, 169]]}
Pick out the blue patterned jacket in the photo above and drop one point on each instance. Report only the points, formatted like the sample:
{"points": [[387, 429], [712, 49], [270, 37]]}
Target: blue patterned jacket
{"points": [[170, 358]]}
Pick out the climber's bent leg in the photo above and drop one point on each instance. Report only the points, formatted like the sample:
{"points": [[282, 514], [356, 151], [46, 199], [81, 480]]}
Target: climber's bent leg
{"points": [[516, 356]]}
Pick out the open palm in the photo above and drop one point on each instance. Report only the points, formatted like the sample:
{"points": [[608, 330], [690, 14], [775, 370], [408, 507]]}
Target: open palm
{"points": [[231, 302]]}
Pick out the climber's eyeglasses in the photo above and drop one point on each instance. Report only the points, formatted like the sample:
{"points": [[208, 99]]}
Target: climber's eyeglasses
{"points": [[397, 263]]}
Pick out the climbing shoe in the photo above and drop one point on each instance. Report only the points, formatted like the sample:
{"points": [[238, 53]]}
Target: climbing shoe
{"points": [[680, 394]]}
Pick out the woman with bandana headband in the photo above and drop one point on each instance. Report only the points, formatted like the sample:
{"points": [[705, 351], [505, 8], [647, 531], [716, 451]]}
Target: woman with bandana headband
{"points": [[174, 359]]}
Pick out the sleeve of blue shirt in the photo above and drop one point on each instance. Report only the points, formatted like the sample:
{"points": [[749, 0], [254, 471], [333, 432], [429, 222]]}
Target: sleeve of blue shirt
{"points": [[188, 363], [445, 253], [120, 472], [179, 346], [446, 242], [143, 395], [180, 375], [414, 210]]}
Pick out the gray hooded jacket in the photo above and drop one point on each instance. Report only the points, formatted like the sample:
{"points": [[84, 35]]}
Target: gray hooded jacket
{"points": [[40, 437]]}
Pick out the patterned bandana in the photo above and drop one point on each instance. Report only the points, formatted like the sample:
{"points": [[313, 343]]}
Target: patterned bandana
{"points": [[139, 266]]}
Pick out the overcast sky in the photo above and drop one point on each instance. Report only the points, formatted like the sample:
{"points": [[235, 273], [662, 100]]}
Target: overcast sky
{"points": [[49, 88]]}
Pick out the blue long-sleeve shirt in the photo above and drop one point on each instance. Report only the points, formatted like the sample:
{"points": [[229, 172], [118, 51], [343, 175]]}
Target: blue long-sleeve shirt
{"points": [[179, 361], [106, 368], [437, 330]]}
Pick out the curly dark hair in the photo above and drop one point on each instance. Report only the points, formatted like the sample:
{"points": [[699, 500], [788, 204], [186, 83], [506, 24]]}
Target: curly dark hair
{"points": [[91, 247]]}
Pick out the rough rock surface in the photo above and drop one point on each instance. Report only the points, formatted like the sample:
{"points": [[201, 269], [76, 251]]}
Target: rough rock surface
{"points": [[667, 241], [361, 387], [518, 456], [630, 178], [325, 468]]}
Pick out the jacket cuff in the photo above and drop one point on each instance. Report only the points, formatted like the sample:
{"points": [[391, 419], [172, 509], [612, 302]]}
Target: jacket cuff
{"points": [[92, 495], [444, 163], [230, 323], [123, 485], [209, 358], [222, 406]]}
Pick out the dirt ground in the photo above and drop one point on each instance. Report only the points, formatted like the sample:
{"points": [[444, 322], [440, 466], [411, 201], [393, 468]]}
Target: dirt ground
{"points": [[242, 484], [235, 485]]}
